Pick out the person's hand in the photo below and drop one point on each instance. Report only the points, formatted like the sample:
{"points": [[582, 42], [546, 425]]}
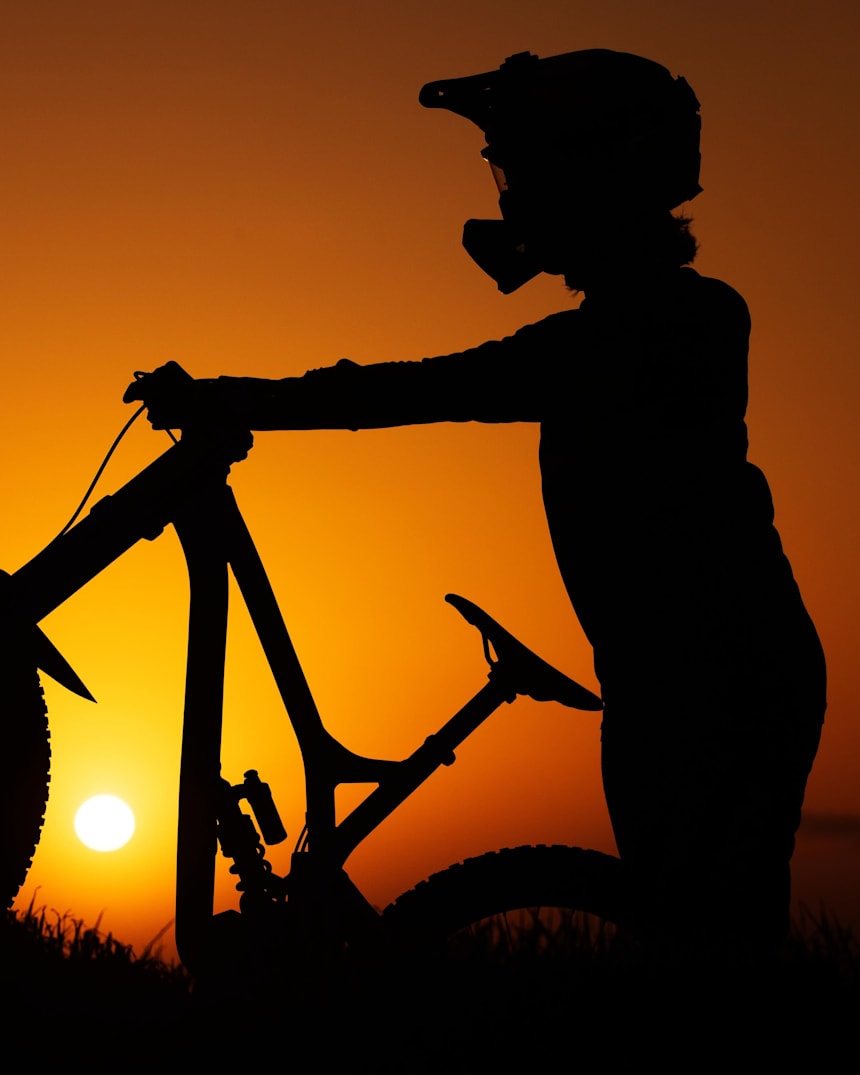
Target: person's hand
{"points": [[168, 394]]}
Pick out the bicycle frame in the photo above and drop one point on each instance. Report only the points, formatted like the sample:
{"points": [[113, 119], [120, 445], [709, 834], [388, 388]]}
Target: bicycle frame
{"points": [[187, 487]]}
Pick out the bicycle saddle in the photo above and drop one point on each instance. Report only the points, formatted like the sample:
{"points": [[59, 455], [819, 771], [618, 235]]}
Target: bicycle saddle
{"points": [[523, 670]]}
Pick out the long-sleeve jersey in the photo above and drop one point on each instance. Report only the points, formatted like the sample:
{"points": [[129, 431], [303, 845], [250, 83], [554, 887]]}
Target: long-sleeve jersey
{"points": [[662, 529]]}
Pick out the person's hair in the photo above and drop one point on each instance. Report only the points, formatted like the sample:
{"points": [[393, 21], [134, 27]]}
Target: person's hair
{"points": [[662, 239], [680, 240]]}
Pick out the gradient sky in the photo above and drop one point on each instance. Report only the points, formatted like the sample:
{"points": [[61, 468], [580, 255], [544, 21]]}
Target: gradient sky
{"points": [[253, 188]]}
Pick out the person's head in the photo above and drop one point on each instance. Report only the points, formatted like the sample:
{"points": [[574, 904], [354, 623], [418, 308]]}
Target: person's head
{"points": [[590, 152]]}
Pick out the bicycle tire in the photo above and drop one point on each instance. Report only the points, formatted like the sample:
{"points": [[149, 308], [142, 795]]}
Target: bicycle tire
{"points": [[24, 786], [571, 878]]}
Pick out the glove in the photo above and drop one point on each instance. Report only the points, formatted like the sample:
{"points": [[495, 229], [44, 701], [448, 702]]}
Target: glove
{"points": [[169, 395]]}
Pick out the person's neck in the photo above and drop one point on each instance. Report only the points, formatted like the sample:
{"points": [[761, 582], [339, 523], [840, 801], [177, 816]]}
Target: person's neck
{"points": [[614, 282]]}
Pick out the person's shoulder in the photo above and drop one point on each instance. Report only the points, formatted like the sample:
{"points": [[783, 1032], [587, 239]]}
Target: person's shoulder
{"points": [[551, 326], [713, 295]]}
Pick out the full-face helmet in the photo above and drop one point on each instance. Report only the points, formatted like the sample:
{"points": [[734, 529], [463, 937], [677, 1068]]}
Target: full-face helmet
{"points": [[599, 126]]}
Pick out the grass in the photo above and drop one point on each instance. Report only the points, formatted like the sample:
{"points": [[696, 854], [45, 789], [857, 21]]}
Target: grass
{"points": [[61, 936], [58, 973], [517, 990]]}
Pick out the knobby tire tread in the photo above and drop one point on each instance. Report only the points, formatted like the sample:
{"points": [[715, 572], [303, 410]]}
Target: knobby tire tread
{"points": [[574, 878], [24, 786]]}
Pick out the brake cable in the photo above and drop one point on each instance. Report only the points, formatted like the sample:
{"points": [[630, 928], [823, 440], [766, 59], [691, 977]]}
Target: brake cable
{"points": [[101, 469]]}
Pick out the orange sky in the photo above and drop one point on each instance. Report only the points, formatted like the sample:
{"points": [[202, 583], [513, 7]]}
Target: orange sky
{"points": [[250, 189]]}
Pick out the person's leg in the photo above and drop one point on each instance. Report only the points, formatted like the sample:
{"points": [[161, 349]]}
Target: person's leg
{"points": [[704, 816]]}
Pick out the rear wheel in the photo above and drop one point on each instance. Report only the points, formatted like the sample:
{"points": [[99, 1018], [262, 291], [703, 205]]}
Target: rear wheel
{"points": [[571, 879], [26, 774]]}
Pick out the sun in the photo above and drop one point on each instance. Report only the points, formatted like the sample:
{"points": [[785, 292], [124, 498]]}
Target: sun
{"points": [[104, 823]]}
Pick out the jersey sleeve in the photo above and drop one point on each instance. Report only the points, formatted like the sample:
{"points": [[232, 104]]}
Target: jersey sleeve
{"points": [[499, 381]]}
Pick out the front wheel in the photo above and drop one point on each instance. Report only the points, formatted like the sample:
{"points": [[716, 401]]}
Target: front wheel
{"points": [[568, 878], [25, 777]]}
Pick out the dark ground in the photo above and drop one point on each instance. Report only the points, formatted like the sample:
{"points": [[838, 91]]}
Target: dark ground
{"points": [[547, 1001]]}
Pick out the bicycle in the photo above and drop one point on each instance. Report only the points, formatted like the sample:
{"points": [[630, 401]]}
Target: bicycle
{"points": [[187, 487]]}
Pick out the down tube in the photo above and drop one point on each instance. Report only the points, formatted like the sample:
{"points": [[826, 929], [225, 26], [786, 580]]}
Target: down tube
{"points": [[139, 510]]}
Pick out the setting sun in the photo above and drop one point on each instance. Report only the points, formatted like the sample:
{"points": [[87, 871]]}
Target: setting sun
{"points": [[104, 823]]}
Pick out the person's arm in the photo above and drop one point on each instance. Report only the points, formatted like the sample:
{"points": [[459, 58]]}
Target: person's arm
{"points": [[495, 382]]}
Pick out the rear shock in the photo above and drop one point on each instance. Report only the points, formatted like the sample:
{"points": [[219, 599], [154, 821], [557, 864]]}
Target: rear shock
{"points": [[241, 841]]}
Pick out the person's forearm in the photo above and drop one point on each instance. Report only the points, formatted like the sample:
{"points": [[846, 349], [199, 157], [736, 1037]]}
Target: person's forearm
{"points": [[452, 388]]}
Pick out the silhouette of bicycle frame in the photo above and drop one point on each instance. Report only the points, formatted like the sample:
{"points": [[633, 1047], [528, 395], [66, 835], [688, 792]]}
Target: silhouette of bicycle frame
{"points": [[187, 487]]}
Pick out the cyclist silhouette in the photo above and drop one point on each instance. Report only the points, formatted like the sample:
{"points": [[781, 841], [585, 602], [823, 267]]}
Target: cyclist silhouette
{"points": [[711, 671]]}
